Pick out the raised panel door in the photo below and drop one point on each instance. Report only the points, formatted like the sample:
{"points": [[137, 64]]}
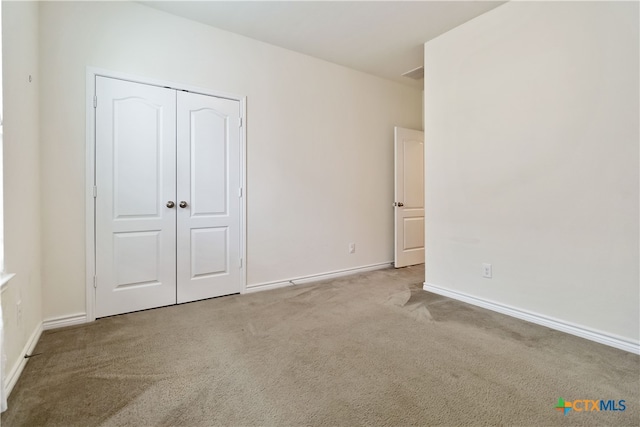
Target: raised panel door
{"points": [[409, 194], [135, 178], [208, 185]]}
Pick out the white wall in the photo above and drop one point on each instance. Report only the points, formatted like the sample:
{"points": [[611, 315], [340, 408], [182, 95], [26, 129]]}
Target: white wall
{"points": [[21, 179], [320, 151], [532, 130]]}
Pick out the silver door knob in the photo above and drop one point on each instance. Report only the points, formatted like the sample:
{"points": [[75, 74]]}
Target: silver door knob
{"points": [[170, 204], [183, 204]]}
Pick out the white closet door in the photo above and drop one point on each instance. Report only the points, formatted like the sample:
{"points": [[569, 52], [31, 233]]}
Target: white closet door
{"points": [[135, 179], [208, 257]]}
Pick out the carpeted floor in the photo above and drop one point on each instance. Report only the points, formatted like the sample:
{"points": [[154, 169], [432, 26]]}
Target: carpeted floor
{"points": [[369, 349]]}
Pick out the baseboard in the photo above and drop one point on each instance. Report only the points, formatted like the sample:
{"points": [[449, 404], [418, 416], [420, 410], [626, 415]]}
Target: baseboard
{"points": [[549, 322], [62, 321], [16, 370], [315, 277]]}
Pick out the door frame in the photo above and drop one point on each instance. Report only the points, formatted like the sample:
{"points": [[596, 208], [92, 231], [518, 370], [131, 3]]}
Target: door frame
{"points": [[90, 162]]}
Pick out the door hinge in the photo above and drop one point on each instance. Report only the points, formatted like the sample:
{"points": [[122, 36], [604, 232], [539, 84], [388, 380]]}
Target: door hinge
{"points": [[240, 262], [95, 101], [95, 281], [240, 122], [240, 192], [95, 191]]}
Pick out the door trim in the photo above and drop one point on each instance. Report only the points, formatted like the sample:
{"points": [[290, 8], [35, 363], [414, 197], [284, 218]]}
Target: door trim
{"points": [[90, 161]]}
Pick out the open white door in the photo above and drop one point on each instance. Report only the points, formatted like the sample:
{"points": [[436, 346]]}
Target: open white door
{"points": [[409, 197]]}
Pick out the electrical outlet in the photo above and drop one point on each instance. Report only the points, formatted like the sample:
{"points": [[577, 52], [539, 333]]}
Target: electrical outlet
{"points": [[352, 248], [486, 271]]}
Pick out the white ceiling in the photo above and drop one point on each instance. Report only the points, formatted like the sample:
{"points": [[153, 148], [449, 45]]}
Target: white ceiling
{"points": [[384, 38]]}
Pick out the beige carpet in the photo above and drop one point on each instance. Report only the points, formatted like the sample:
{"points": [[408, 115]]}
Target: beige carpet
{"points": [[369, 349]]}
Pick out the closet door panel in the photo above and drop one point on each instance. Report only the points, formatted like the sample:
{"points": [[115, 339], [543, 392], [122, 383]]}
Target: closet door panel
{"points": [[135, 178], [208, 184]]}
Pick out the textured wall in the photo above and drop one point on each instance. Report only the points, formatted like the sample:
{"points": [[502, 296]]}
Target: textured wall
{"points": [[531, 129], [21, 170]]}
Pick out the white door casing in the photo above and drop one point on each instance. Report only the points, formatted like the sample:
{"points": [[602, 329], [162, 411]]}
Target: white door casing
{"points": [[208, 255], [409, 197], [135, 178], [149, 144]]}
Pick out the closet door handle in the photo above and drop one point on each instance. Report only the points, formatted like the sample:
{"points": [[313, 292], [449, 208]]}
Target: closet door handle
{"points": [[170, 204], [183, 204]]}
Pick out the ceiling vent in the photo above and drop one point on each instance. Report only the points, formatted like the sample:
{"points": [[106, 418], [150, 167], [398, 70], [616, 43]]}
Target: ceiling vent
{"points": [[415, 74]]}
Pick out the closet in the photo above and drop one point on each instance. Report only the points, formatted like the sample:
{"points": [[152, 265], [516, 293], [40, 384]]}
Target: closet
{"points": [[167, 196]]}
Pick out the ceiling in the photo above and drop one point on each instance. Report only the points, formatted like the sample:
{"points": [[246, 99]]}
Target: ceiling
{"points": [[383, 38]]}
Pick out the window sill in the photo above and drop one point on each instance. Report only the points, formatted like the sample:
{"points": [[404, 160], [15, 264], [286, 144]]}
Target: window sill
{"points": [[4, 280]]}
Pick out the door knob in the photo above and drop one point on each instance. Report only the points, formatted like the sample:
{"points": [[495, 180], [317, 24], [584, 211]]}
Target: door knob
{"points": [[183, 204], [170, 204]]}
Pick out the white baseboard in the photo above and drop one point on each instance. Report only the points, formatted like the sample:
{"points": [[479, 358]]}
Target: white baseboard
{"points": [[315, 277], [549, 322], [18, 367], [61, 322]]}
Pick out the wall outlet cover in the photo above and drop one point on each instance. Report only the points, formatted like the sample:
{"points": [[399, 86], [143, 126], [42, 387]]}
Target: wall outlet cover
{"points": [[487, 271]]}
